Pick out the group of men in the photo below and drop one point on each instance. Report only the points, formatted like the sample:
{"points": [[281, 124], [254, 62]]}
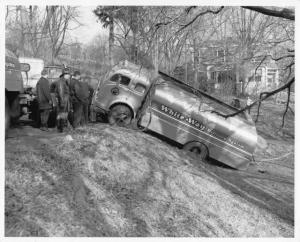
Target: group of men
{"points": [[69, 98]]}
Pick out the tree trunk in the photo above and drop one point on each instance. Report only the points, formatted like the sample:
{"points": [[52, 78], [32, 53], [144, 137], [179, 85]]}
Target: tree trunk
{"points": [[111, 43], [196, 84], [186, 66], [156, 53], [134, 19], [237, 77], [23, 39]]}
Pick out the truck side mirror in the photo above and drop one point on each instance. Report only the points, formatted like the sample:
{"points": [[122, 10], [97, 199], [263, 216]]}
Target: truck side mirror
{"points": [[25, 67]]}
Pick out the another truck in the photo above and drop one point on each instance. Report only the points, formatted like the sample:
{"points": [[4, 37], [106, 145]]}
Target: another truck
{"points": [[31, 75], [177, 111], [13, 88]]}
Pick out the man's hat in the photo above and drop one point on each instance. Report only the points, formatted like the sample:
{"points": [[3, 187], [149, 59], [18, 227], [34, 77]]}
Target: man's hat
{"points": [[66, 71]]}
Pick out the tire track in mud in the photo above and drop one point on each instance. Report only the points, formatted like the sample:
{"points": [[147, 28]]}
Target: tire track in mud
{"points": [[241, 183]]}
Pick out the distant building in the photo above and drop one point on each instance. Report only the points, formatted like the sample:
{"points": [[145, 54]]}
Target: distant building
{"points": [[258, 74], [262, 78]]}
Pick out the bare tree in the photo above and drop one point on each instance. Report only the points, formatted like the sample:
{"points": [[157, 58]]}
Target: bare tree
{"points": [[106, 15], [253, 27], [58, 21], [290, 79], [32, 29]]}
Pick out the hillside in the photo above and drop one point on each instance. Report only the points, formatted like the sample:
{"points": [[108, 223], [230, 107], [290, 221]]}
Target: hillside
{"points": [[110, 181]]}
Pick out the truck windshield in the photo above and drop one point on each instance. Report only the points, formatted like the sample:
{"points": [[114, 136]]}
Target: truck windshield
{"points": [[123, 80]]}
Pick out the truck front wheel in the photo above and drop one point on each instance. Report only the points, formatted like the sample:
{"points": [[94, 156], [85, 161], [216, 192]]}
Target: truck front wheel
{"points": [[120, 115]]}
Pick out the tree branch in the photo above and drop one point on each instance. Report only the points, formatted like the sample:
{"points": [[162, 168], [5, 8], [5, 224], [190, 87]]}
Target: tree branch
{"points": [[287, 106], [284, 13], [198, 15], [282, 57], [262, 97], [158, 25]]}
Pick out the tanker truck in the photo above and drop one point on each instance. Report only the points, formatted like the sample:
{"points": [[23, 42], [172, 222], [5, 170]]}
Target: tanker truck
{"points": [[166, 106]]}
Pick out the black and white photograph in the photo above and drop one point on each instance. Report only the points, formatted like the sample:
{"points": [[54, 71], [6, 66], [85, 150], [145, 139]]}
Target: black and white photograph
{"points": [[148, 120]]}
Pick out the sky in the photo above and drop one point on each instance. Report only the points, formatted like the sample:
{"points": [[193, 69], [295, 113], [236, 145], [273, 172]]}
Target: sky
{"points": [[90, 27]]}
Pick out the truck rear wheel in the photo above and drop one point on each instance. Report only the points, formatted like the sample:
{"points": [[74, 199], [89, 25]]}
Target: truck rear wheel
{"points": [[120, 115], [7, 116], [15, 110], [197, 149]]}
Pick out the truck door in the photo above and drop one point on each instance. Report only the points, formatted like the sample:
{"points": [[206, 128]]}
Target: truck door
{"points": [[113, 89]]}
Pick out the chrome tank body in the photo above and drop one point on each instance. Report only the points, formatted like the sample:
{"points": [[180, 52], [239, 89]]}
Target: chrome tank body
{"points": [[185, 117]]}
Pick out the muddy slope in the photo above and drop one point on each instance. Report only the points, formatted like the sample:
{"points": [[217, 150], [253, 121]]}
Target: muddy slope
{"points": [[109, 181]]}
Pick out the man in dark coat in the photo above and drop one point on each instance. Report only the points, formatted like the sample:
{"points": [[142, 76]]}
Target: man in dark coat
{"points": [[44, 99], [87, 93], [77, 99], [53, 113], [62, 91]]}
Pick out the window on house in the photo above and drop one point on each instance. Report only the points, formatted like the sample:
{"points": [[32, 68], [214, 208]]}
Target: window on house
{"points": [[221, 54], [258, 78], [214, 75], [272, 70]]}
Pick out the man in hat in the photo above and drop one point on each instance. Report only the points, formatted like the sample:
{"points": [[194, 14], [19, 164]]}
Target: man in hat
{"points": [[77, 98], [44, 99], [87, 92], [62, 90]]}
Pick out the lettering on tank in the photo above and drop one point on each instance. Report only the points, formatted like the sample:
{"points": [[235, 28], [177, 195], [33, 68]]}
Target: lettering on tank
{"points": [[196, 124]]}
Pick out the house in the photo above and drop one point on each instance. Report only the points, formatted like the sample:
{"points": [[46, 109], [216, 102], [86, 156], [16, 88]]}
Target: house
{"points": [[223, 67], [261, 77]]}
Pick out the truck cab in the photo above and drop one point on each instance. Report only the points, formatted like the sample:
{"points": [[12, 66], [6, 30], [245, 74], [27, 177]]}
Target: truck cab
{"points": [[121, 93], [31, 69]]}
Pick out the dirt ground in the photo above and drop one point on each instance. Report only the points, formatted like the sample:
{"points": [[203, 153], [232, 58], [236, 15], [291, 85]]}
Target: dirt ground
{"points": [[110, 181]]}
